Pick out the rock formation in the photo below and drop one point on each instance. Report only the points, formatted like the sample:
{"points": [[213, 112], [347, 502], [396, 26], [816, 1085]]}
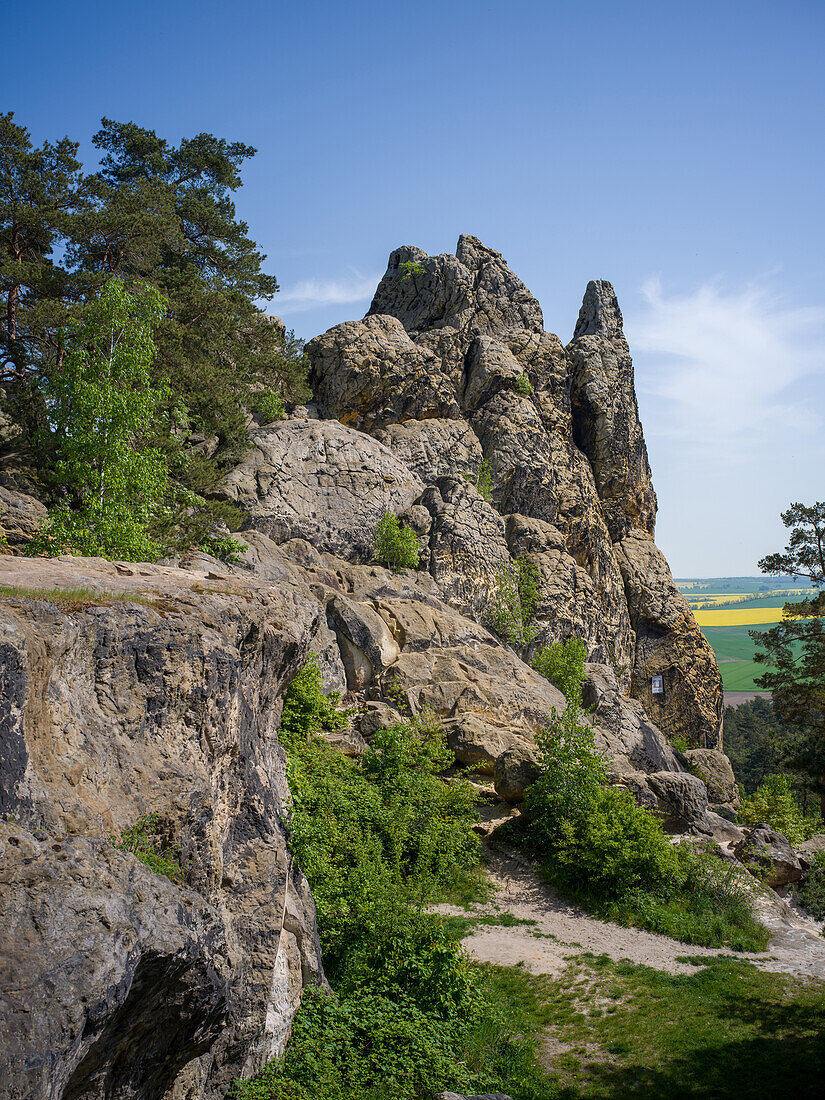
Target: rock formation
{"points": [[163, 697], [158, 689], [451, 366]]}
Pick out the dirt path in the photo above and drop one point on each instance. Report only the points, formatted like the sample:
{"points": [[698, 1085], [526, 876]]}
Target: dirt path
{"points": [[735, 698], [562, 930]]}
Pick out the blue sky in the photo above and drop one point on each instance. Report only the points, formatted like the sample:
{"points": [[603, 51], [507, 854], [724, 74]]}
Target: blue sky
{"points": [[673, 148]]}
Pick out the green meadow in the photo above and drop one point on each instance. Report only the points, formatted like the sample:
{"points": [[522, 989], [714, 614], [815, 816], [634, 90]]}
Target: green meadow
{"points": [[733, 645]]}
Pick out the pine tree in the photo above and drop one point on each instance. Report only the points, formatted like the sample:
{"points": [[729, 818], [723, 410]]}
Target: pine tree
{"points": [[796, 647], [40, 193]]}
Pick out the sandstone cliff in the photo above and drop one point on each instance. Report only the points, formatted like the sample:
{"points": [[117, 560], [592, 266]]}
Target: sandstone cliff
{"points": [[451, 366], [162, 693]]}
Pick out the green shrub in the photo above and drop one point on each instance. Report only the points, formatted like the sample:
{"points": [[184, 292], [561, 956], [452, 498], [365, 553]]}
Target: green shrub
{"points": [[612, 855], [483, 481], [380, 834], [395, 544], [812, 894], [680, 743], [223, 547], [268, 405], [524, 385], [144, 841], [308, 708], [410, 268], [377, 838], [514, 600], [774, 803], [562, 663]]}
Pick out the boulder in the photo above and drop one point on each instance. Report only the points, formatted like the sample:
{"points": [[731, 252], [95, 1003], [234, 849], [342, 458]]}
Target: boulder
{"points": [[716, 773], [112, 978], [367, 647], [724, 830], [21, 516], [812, 847], [374, 716], [478, 742], [681, 800], [161, 694], [514, 771], [369, 374], [769, 856], [319, 481]]}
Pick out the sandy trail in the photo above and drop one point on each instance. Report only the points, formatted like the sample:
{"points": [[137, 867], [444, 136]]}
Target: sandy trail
{"points": [[562, 931]]}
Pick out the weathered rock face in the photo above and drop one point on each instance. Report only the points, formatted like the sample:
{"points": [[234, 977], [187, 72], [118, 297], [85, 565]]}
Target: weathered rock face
{"points": [[318, 481], [669, 644], [606, 417], [20, 516], [112, 979], [716, 773], [770, 856], [170, 706], [451, 366]]}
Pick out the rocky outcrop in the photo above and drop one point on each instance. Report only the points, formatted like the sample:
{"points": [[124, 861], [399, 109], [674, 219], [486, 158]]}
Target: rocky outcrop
{"points": [[321, 482], [606, 417], [160, 696], [669, 645], [21, 516], [158, 689], [112, 979], [451, 366], [769, 855], [715, 771]]}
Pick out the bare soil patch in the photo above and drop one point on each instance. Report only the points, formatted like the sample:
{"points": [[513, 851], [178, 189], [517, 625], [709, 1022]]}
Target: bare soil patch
{"points": [[562, 931]]}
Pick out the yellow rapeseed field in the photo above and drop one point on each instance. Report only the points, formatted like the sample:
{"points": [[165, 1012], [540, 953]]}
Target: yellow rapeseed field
{"points": [[752, 616]]}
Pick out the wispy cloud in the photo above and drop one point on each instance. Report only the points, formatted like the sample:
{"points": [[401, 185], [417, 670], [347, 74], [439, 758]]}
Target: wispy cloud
{"points": [[727, 368], [314, 293]]}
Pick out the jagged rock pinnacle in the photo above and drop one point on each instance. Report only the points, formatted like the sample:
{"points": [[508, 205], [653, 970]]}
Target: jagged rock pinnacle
{"points": [[600, 314]]}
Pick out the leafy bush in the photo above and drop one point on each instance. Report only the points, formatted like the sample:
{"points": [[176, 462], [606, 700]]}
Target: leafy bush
{"points": [[562, 663], [523, 385], [377, 838], [410, 268], [377, 835], [268, 405], [514, 602], [595, 833], [483, 480], [775, 803], [144, 840], [611, 854], [308, 708], [812, 894], [396, 545]]}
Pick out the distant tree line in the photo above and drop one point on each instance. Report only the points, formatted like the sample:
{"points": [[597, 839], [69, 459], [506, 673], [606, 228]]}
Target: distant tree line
{"points": [[158, 221]]}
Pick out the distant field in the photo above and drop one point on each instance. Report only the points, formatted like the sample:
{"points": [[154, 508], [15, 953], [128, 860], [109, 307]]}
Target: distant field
{"points": [[734, 651], [694, 587], [739, 604], [755, 616]]}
